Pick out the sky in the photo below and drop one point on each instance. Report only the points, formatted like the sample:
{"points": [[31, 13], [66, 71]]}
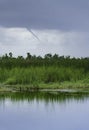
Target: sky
{"points": [[44, 26]]}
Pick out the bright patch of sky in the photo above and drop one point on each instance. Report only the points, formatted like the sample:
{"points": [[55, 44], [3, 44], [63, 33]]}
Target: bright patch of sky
{"points": [[19, 41]]}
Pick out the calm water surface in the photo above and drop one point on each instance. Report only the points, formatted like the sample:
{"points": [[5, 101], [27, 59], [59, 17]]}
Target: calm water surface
{"points": [[44, 111]]}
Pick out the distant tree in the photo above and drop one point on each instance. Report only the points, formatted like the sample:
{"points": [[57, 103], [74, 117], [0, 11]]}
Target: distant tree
{"points": [[29, 56], [20, 58], [10, 54], [48, 56], [55, 56]]}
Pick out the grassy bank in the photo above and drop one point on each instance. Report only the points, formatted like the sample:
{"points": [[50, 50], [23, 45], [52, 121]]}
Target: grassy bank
{"points": [[43, 77]]}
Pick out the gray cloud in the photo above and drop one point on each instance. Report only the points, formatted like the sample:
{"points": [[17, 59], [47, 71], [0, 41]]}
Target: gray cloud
{"points": [[64, 43], [49, 14], [61, 25]]}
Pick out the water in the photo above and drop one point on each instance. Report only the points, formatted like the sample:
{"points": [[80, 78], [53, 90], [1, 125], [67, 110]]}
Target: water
{"points": [[44, 111]]}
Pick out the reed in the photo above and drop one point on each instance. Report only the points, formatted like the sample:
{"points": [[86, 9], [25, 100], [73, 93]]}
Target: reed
{"points": [[37, 75]]}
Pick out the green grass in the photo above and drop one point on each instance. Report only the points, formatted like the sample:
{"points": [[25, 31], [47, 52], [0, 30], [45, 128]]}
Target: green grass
{"points": [[44, 77], [39, 75]]}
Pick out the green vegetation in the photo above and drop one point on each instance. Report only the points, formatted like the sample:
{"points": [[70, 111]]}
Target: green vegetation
{"points": [[50, 71]]}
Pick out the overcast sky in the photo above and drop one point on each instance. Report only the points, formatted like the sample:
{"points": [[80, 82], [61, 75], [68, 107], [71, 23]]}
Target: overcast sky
{"points": [[44, 26]]}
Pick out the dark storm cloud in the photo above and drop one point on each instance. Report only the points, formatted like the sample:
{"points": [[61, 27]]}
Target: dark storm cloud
{"points": [[50, 14]]}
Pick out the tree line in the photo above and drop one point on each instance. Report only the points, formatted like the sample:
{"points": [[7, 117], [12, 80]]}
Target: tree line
{"points": [[9, 61]]}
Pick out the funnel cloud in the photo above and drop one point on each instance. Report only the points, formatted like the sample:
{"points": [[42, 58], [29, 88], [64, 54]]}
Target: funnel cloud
{"points": [[34, 35]]}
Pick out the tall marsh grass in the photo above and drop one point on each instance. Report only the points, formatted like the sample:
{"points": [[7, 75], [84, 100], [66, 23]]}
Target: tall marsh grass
{"points": [[37, 75]]}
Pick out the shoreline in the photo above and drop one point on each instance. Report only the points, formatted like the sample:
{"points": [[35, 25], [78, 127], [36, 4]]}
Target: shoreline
{"points": [[53, 87]]}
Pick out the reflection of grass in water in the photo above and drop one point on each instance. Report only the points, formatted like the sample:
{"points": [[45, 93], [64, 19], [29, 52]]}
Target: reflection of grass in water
{"points": [[44, 96]]}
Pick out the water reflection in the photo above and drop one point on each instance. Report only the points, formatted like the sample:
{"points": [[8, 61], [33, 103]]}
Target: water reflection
{"points": [[37, 98], [44, 111], [44, 96]]}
